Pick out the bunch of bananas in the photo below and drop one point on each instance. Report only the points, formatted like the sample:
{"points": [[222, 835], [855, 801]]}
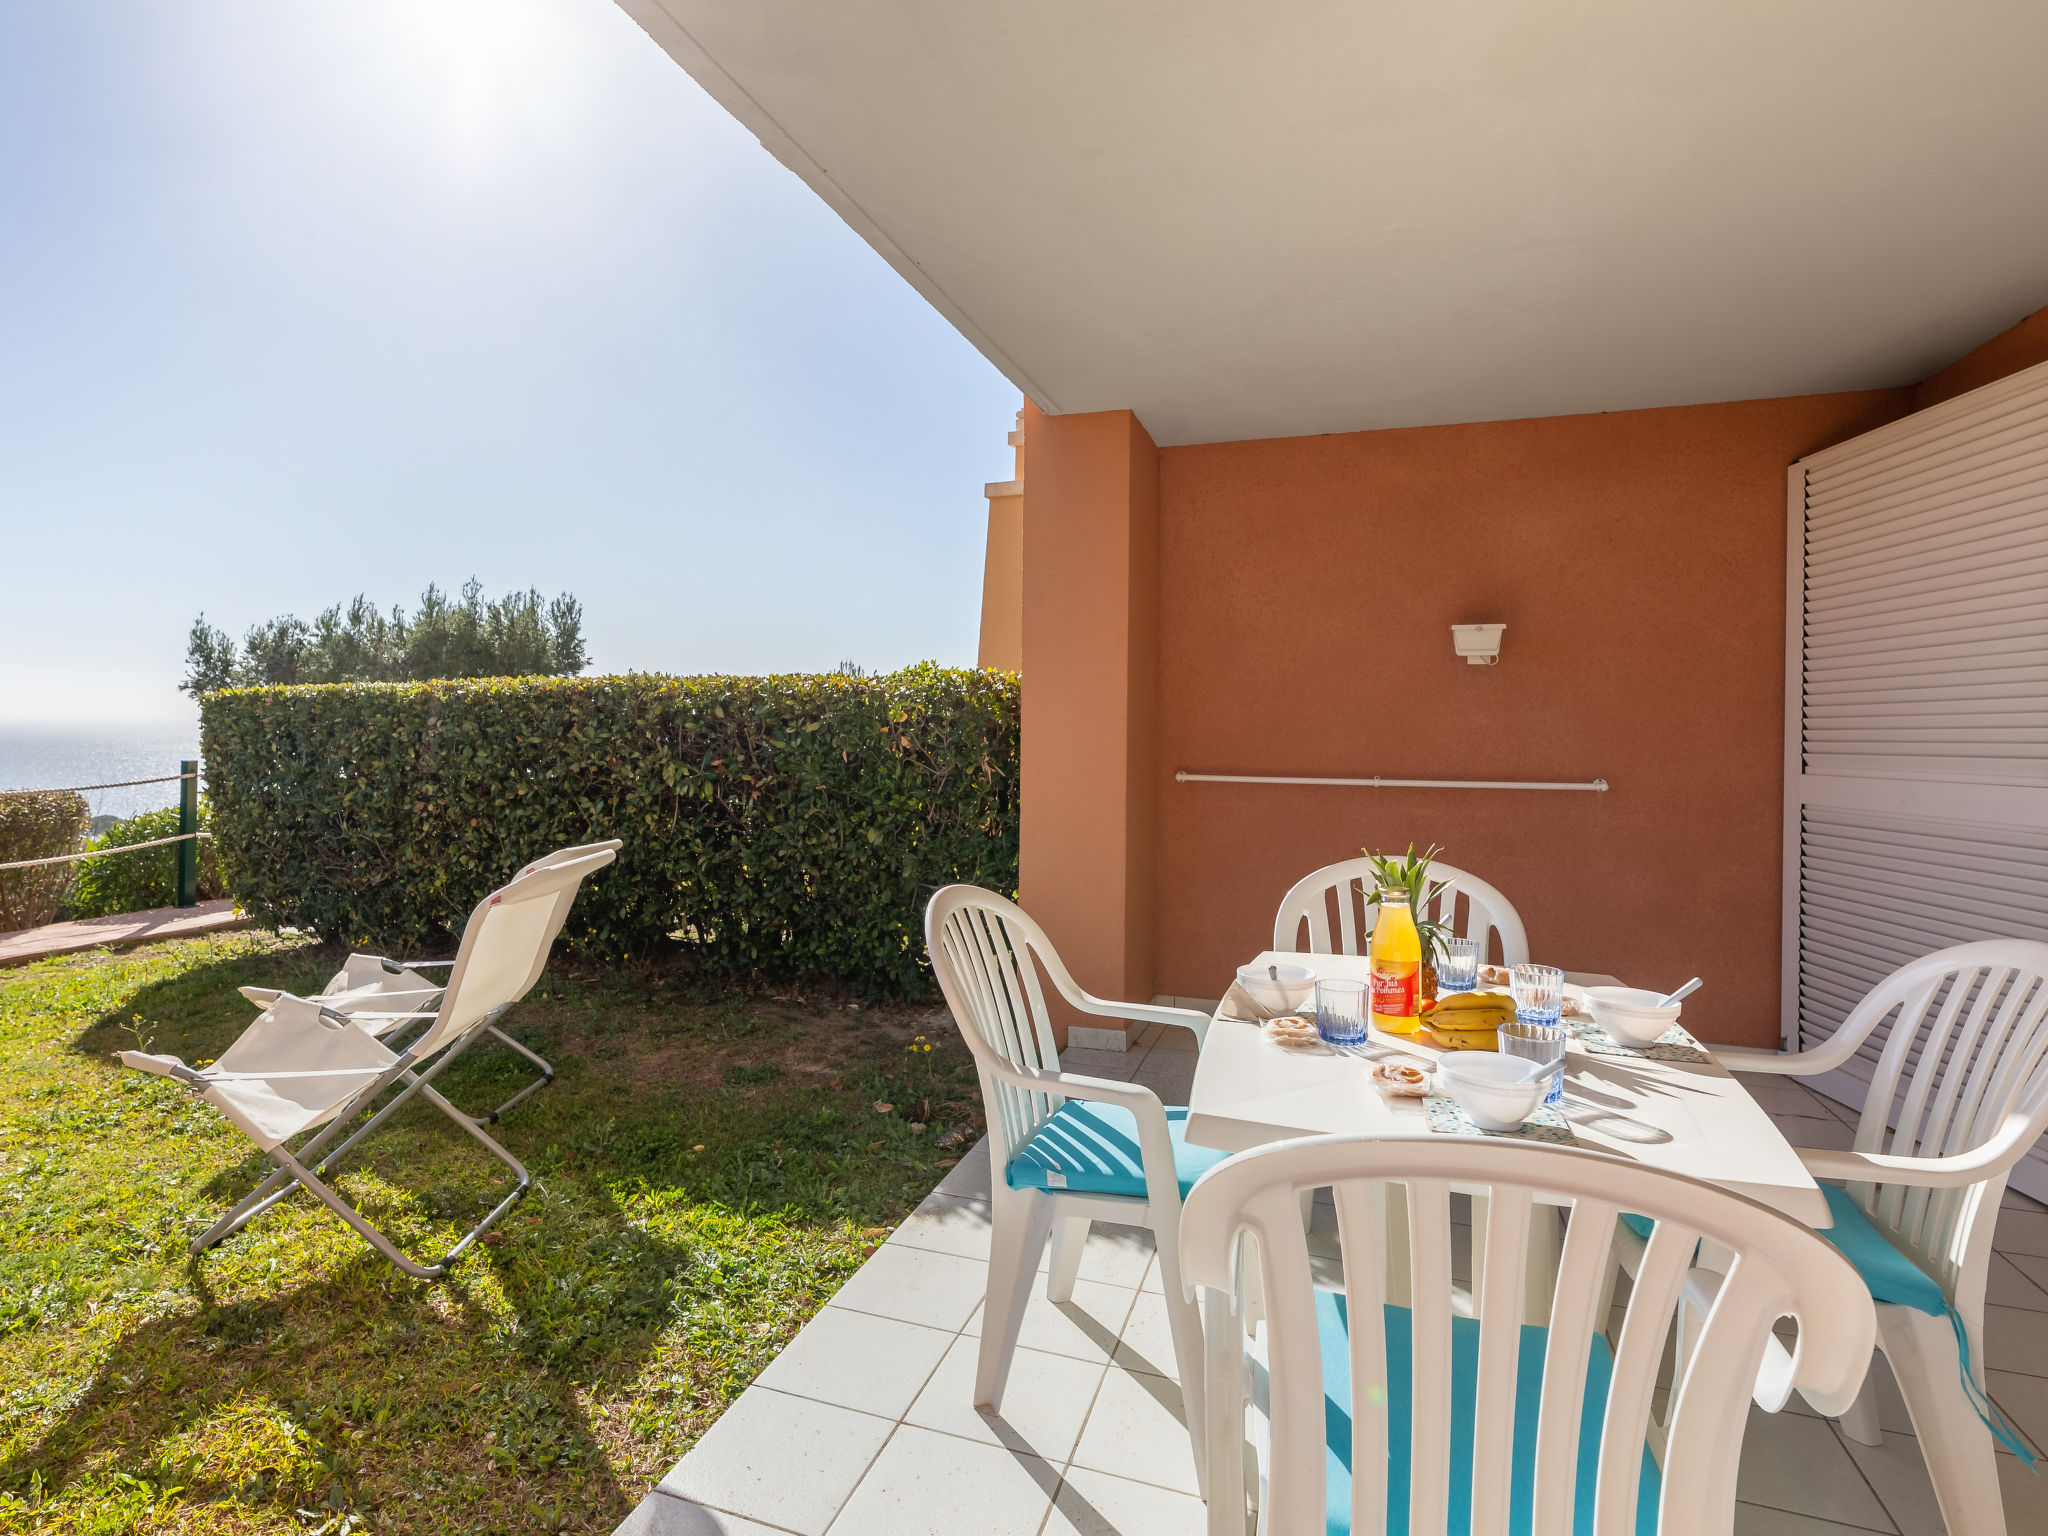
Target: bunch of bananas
{"points": [[1466, 1021]]}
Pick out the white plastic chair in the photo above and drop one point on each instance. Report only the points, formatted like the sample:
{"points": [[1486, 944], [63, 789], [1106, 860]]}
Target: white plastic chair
{"points": [[1482, 1426], [1959, 1095], [385, 995], [302, 1066], [1346, 887], [1057, 1162]]}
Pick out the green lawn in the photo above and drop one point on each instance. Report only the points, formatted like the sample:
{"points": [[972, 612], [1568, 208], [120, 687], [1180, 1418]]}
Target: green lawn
{"points": [[708, 1169]]}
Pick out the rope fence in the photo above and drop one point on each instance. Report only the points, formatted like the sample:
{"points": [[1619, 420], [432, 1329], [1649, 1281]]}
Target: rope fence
{"points": [[103, 853], [79, 789], [186, 881]]}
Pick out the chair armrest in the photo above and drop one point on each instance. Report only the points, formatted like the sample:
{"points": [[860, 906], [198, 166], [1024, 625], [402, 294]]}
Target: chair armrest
{"points": [[1145, 1013], [1135, 1097], [1155, 1146], [1928, 1172], [1743, 1058]]}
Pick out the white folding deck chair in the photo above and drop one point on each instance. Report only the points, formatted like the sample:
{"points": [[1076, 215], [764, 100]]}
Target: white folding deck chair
{"points": [[1959, 1096], [385, 995], [1064, 1150], [1368, 1417], [302, 1066], [1349, 887]]}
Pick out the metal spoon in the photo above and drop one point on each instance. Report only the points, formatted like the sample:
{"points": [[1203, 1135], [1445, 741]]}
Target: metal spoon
{"points": [[1685, 991]]}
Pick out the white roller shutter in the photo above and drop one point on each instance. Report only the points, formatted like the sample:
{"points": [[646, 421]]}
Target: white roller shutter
{"points": [[1916, 773]]}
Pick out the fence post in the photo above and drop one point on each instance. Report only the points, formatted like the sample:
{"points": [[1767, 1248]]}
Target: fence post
{"points": [[188, 823]]}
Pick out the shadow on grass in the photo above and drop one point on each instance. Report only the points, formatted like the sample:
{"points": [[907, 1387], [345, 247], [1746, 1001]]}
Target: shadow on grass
{"points": [[314, 1381], [707, 1171], [357, 1392]]}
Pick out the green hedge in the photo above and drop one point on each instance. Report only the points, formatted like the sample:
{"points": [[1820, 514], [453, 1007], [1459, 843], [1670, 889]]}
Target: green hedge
{"points": [[137, 882], [37, 824], [785, 826]]}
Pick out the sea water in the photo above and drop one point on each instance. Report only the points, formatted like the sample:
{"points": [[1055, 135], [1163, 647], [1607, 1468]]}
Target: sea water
{"points": [[60, 754]]}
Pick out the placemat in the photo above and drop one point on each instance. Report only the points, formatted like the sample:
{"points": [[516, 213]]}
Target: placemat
{"points": [[1443, 1116], [1675, 1044]]}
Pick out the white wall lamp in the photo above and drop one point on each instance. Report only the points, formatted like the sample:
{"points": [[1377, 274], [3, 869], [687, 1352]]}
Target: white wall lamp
{"points": [[1479, 644]]}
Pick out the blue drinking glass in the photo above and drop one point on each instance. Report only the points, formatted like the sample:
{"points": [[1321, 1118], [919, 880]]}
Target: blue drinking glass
{"points": [[1457, 965], [1340, 1011]]}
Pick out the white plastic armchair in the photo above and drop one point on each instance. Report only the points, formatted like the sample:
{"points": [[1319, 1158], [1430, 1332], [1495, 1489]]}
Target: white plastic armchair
{"points": [[982, 949], [1482, 1425], [1959, 1095], [1347, 888]]}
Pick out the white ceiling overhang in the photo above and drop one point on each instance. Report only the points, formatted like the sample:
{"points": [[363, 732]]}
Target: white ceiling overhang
{"points": [[1245, 220]]}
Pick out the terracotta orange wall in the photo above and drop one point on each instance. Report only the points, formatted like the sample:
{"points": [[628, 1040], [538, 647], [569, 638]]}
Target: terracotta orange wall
{"points": [[1306, 589], [2022, 346], [1091, 583]]}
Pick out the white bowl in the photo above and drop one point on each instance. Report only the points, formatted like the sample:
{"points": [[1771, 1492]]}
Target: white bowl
{"points": [[1496, 1092], [1627, 1013], [1289, 994]]}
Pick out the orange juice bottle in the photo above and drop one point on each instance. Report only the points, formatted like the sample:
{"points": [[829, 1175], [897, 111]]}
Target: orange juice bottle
{"points": [[1396, 967]]}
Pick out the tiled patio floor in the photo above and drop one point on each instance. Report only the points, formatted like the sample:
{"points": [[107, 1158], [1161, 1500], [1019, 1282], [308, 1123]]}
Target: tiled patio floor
{"points": [[863, 1426]]}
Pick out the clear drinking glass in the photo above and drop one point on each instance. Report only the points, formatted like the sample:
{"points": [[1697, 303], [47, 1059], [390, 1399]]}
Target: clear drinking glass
{"points": [[1457, 965], [1539, 993], [1340, 1011], [1537, 1042]]}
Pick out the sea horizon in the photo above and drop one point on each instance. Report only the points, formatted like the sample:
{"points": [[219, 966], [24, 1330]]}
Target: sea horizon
{"points": [[65, 754]]}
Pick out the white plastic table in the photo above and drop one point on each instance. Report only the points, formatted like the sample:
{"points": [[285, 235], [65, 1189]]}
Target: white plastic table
{"points": [[1692, 1118]]}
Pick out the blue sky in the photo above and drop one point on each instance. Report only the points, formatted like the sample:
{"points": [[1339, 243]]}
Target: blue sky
{"points": [[299, 300]]}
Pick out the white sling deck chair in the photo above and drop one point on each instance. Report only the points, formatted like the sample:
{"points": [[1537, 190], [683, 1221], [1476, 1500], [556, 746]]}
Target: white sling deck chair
{"points": [[302, 1066], [385, 995]]}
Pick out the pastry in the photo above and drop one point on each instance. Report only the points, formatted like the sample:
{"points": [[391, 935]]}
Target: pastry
{"points": [[1400, 1079], [1293, 1030]]}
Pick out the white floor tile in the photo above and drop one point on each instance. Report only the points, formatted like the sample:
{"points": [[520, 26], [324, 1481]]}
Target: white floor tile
{"points": [[1096, 1504], [2026, 1500], [1898, 1474], [1138, 1429], [1795, 1463], [1757, 1520], [660, 1515], [926, 1484], [1115, 1065], [969, 1177], [1782, 1095], [875, 1364], [1114, 1255], [1044, 1406], [2016, 1340], [1170, 1074], [1085, 1328], [1824, 1134], [2032, 1265], [946, 1224], [2009, 1286], [915, 1285], [1891, 1403], [2024, 1401], [779, 1459], [1147, 1342], [2022, 1231]]}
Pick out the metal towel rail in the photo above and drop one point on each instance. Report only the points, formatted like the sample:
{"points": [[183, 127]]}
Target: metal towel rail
{"points": [[1598, 786]]}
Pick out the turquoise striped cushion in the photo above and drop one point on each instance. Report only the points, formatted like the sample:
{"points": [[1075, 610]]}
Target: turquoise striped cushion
{"points": [[1333, 1326], [1093, 1148]]}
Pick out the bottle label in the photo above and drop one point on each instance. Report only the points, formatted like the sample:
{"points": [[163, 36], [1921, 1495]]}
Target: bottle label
{"points": [[1396, 989]]}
